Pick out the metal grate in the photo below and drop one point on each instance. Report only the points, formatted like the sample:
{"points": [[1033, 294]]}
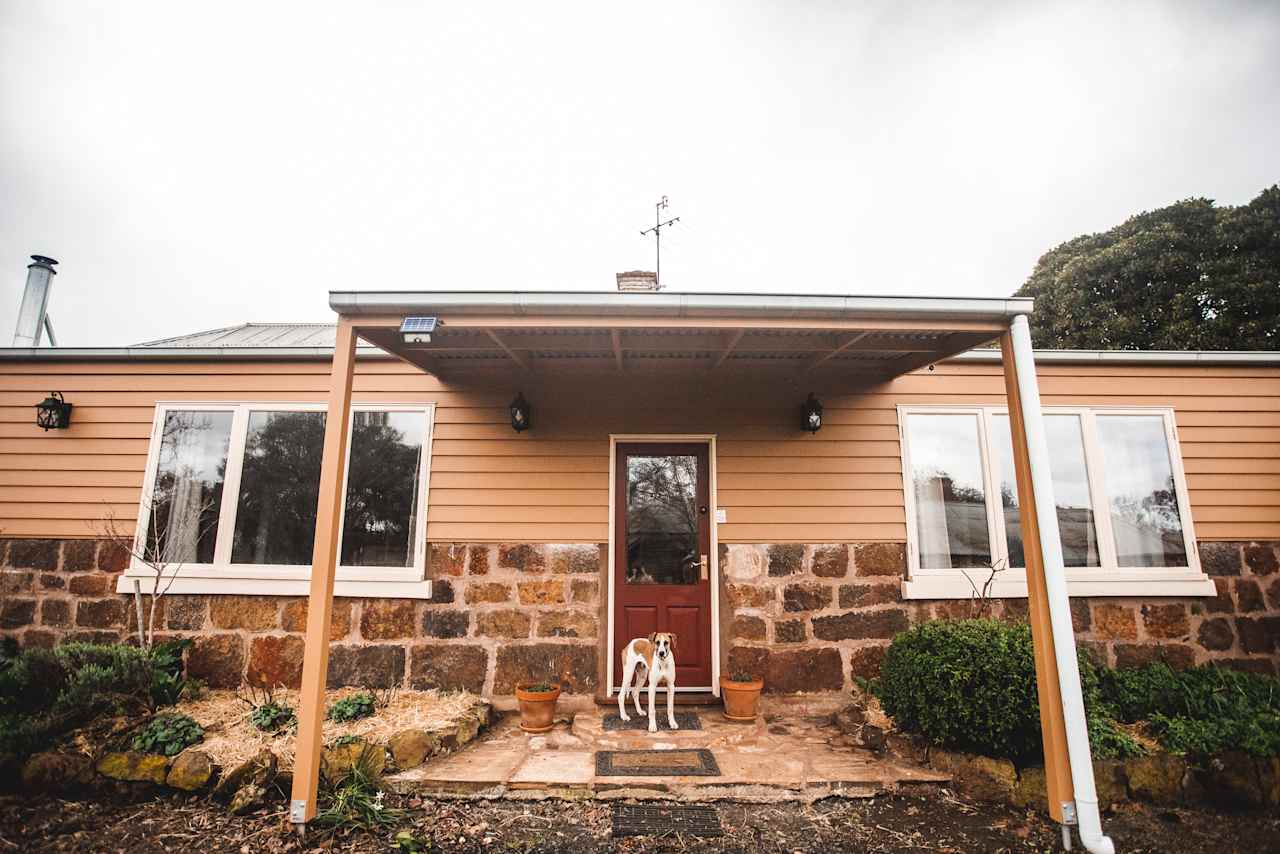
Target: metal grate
{"points": [[684, 720], [644, 820]]}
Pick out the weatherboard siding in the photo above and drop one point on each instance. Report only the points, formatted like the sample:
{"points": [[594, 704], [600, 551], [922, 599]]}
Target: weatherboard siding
{"points": [[488, 484]]}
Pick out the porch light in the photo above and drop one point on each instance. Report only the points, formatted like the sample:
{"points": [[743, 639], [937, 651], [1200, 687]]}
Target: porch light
{"points": [[521, 414], [811, 414], [417, 330], [53, 413]]}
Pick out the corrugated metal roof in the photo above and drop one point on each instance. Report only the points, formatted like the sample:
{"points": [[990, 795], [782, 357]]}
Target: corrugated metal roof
{"points": [[257, 335]]}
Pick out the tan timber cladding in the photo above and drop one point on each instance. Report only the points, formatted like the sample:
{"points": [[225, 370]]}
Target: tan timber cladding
{"points": [[550, 484]]}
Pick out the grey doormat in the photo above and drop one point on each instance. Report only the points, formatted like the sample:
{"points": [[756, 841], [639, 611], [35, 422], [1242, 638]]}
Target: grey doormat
{"points": [[685, 720], [643, 820], [656, 763]]}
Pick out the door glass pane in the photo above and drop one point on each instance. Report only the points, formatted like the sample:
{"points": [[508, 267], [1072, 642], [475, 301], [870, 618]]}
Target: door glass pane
{"points": [[1070, 490], [187, 494], [950, 499], [662, 520], [279, 484], [383, 488], [1139, 479]]}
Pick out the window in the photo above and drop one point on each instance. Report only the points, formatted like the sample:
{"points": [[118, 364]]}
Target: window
{"points": [[233, 488], [1117, 482]]}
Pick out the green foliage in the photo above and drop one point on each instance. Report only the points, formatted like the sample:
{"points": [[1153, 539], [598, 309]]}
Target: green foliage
{"points": [[44, 693], [971, 685], [273, 717], [1200, 710], [1190, 276], [354, 799], [352, 708], [1108, 741], [168, 735]]}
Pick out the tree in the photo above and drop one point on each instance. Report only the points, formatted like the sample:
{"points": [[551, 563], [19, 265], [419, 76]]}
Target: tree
{"points": [[1190, 276]]}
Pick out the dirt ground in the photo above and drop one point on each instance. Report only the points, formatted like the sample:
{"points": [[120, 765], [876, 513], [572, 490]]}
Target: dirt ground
{"points": [[935, 822]]}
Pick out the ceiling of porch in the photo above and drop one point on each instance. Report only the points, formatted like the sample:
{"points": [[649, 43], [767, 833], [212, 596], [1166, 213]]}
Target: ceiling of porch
{"points": [[873, 353]]}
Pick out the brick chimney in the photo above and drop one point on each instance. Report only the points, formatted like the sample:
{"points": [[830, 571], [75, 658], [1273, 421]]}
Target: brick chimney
{"points": [[638, 280]]}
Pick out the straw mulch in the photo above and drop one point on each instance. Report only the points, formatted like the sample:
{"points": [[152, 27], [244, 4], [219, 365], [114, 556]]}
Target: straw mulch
{"points": [[230, 739]]}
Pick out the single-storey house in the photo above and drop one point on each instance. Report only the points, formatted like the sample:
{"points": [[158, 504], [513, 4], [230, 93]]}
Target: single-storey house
{"points": [[531, 479]]}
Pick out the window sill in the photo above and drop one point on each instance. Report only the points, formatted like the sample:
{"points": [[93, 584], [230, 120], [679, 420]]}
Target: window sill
{"points": [[1080, 583], [280, 587]]}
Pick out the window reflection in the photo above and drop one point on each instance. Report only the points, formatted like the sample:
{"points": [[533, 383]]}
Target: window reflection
{"points": [[279, 486], [187, 493], [1070, 478], [662, 520], [951, 508], [383, 488], [1144, 502]]}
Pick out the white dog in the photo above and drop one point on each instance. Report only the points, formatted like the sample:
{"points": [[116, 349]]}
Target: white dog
{"points": [[653, 657]]}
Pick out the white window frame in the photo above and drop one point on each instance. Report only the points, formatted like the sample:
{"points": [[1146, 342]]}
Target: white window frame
{"points": [[1109, 579], [223, 576]]}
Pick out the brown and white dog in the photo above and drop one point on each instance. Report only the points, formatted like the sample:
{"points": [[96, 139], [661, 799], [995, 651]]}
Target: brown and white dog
{"points": [[653, 657]]}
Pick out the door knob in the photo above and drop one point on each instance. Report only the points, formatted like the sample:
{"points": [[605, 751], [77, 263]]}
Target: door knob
{"points": [[704, 567]]}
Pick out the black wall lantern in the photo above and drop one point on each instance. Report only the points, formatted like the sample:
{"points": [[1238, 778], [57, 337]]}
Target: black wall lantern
{"points": [[53, 413], [521, 414], [811, 414]]}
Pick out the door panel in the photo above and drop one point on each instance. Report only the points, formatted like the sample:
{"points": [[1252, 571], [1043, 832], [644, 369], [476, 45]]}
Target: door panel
{"points": [[662, 552]]}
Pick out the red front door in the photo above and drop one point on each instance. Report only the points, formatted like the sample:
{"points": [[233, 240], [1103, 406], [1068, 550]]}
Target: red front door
{"points": [[662, 553]]}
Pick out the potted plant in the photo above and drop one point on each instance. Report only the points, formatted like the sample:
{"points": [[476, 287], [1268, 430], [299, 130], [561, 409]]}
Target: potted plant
{"points": [[741, 693], [537, 705]]}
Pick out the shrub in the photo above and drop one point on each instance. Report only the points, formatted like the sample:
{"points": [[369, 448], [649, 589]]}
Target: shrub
{"points": [[168, 735], [971, 685], [352, 708], [1200, 710], [353, 800], [44, 693]]}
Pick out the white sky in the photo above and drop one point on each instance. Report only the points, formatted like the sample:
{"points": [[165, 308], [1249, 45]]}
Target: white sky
{"points": [[198, 170]]}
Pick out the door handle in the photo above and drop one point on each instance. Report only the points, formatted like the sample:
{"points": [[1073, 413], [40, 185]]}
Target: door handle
{"points": [[703, 567]]}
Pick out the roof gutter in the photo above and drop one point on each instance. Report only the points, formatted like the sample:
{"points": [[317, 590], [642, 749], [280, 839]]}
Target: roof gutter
{"points": [[691, 305]]}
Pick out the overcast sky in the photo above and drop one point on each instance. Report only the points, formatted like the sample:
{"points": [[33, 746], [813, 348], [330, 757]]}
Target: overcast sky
{"points": [[201, 165]]}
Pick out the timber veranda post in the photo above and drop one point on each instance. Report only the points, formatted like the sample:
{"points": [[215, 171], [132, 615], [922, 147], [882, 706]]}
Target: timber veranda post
{"points": [[1057, 766], [324, 562]]}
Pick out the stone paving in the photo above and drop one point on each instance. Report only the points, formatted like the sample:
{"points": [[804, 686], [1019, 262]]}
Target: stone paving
{"points": [[772, 759]]}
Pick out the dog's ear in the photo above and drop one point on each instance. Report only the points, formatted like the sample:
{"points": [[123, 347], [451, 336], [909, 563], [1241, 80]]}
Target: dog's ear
{"points": [[653, 638], [672, 635]]}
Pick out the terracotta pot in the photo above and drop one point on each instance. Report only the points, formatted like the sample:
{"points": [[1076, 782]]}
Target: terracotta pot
{"points": [[741, 699], [537, 708]]}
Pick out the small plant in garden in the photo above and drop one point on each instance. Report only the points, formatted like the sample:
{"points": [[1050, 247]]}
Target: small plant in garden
{"points": [[269, 713], [354, 799], [384, 697], [169, 686], [741, 676], [352, 708], [168, 735]]}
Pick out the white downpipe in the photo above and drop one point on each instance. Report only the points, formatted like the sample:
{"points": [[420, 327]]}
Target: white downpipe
{"points": [[1064, 641]]}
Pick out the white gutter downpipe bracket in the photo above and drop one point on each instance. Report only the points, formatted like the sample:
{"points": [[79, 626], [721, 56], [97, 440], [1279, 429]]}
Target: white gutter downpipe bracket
{"points": [[1064, 641]]}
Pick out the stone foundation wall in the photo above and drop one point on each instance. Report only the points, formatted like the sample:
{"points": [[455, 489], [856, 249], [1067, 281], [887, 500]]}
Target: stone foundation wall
{"points": [[810, 617], [814, 617], [498, 614]]}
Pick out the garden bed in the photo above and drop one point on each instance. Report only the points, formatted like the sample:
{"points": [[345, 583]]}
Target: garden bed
{"points": [[230, 739]]}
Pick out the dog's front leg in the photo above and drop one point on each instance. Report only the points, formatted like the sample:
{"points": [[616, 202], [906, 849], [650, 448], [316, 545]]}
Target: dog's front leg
{"points": [[671, 698], [626, 686], [653, 688]]}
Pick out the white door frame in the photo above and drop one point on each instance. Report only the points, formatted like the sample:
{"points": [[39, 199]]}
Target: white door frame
{"points": [[709, 439]]}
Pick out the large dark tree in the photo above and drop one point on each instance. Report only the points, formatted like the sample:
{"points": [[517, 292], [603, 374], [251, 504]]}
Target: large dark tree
{"points": [[1191, 276]]}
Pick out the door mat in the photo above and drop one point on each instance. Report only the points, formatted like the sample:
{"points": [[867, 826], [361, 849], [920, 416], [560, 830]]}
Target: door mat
{"points": [[642, 820], [685, 720], [656, 763]]}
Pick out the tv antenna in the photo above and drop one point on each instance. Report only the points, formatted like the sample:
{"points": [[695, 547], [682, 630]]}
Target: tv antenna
{"points": [[657, 238]]}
